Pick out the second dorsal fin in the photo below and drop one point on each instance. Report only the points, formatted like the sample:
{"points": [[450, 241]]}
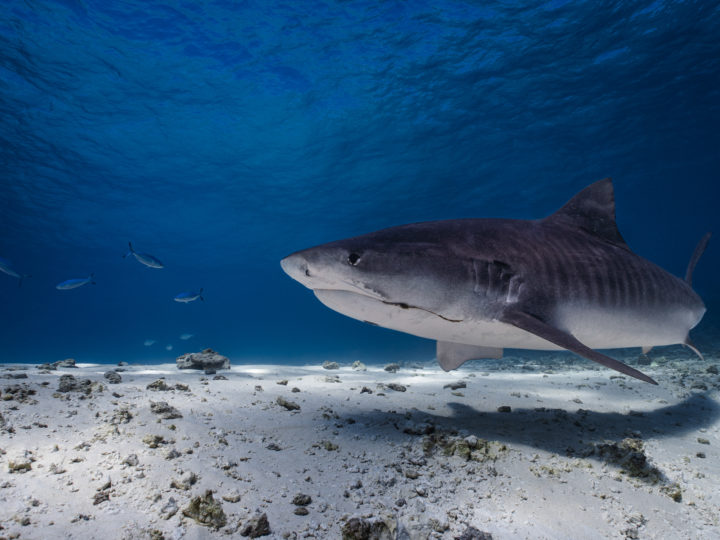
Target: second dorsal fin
{"points": [[593, 210]]}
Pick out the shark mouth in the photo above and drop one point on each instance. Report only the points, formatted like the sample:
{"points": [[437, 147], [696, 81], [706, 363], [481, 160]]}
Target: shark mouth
{"points": [[403, 305], [337, 299]]}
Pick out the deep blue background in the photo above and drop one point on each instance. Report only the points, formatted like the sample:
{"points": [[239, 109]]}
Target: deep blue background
{"points": [[221, 136]]}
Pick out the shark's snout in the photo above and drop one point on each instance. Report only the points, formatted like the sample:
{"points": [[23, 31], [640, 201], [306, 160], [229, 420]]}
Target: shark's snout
{"points": [[317, 269], [296, 266]]}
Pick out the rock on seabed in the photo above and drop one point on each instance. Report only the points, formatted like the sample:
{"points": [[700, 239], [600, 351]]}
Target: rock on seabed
{"points": [[256, 526], [207, 359], [206, 511]]}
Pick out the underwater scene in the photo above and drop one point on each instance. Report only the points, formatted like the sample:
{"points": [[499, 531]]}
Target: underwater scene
{"points": [[359, 270]]}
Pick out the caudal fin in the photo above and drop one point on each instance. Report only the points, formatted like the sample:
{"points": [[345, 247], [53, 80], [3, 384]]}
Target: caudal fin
{"points": [[131, 250], [699, 249], [20, 281]]}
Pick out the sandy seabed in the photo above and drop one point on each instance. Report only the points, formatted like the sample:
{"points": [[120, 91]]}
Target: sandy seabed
{"points": [[519, 448]]}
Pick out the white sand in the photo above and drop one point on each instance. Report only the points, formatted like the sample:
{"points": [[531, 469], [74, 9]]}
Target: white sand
{"points": [[544, 485]]}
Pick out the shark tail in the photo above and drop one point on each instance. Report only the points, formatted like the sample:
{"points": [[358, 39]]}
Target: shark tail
{"points": [[129, 252], [92, 279], [20, 281], [699, 250], [201, 296]]}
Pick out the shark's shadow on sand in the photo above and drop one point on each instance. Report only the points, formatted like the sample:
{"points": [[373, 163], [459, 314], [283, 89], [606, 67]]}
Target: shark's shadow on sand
{"points": [[582, 433]]}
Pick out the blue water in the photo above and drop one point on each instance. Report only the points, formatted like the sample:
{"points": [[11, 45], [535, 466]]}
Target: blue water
{"points": [[221, 136]]}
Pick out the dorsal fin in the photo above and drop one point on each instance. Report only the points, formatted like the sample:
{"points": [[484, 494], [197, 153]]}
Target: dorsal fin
{"points": [[593, 210]]}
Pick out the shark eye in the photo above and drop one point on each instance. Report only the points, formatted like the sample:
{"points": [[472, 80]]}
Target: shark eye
{"points": [[353, 259]]}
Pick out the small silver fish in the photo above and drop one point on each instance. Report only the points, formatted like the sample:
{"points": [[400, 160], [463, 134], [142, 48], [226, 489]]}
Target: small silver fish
{"points": [[7, 268], [74, 283], [169, 347], [185, 337], [145, 258], [186, 297], [149, 342]]}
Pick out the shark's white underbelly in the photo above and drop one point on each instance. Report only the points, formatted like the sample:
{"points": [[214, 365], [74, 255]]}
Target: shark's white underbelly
{"points": [[596, 328]]}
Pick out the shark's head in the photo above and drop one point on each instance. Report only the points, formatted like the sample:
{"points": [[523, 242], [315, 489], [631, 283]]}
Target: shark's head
{"points": [[391, 274]]}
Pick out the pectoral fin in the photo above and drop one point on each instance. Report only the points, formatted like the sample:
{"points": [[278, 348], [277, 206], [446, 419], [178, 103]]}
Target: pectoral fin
{"points": [[453, 355], [540, 328]]}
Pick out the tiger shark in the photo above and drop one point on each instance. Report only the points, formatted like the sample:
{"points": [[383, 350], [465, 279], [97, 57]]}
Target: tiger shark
{"points": [[477, 286]]}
